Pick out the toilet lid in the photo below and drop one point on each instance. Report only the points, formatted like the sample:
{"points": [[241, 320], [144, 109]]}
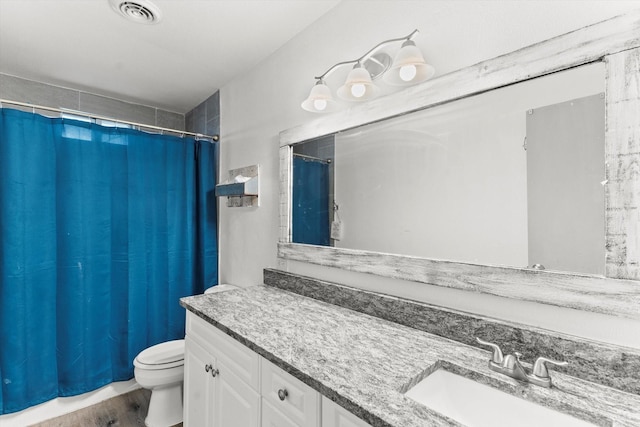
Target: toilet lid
{"points": [[163, 355]]}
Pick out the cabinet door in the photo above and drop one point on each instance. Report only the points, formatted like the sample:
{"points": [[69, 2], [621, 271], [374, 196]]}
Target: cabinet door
{"points": [[198, 386], [244, 362], [236, 403], [334, 415], [271, 417]]}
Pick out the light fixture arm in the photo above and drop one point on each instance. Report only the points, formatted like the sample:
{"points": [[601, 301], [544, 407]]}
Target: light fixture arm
{"points": [[366, 55], [336, 66]]}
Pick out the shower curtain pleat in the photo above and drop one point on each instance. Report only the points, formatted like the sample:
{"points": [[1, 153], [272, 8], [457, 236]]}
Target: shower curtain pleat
{"points": [[205, 221], [28, 259], [102, 233]]}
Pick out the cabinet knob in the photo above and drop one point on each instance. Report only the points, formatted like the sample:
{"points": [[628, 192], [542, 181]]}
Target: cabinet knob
{"points": [[209, 368], [282, 394]]}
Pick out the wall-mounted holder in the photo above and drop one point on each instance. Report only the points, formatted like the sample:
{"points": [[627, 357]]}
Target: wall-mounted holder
{"points": [[241, 188]]}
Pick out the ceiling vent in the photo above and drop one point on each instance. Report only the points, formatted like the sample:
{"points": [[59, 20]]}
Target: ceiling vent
{"points": [[140, 11]]}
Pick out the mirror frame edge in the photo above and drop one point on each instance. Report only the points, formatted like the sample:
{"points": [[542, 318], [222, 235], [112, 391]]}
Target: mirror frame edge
{"points": [[615, 41]]}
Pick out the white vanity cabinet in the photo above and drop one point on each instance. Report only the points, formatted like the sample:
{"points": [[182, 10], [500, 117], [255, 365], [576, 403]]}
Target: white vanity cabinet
{"points": [[228, 385], [221, 379], [334, 415]]}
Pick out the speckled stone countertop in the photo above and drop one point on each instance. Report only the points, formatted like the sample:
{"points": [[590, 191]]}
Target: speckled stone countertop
{"points": [[365, 363]]}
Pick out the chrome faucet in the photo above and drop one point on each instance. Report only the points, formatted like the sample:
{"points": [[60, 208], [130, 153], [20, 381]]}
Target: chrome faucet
{"points": [[510, 365]]}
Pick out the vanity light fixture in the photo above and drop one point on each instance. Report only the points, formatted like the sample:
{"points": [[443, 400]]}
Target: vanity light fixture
{"points": [[320, 99], [408, 67], [359, 86]]}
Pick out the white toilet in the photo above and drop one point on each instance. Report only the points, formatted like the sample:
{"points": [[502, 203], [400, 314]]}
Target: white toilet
{"points": [[160, 368]]}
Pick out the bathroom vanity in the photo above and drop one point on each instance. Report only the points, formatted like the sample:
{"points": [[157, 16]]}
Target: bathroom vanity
{"points": [[228, 384], [266, 353]]}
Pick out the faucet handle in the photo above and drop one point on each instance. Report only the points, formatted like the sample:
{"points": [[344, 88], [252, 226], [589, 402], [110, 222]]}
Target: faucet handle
{"points": [[540, 367], [497, 353]]}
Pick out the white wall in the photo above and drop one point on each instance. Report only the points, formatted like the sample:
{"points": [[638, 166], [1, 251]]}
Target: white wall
{"points": [[256, 106]]}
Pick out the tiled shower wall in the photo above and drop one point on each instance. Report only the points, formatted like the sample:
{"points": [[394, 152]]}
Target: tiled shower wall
{"points": [[205, 118], [18, 89]]}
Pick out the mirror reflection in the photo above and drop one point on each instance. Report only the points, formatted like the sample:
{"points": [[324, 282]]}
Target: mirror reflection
{"points": [[510, 177]]}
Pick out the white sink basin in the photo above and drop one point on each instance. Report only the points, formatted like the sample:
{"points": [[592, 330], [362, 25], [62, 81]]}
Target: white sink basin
{"points": [[477, 405]]}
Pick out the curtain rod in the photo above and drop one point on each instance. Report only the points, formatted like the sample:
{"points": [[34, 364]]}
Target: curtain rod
{"points": [[96, 117], [305, 156]]}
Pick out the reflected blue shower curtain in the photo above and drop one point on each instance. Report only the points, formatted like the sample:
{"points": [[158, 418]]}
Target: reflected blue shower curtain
{"points": [[103, 230], [310, 200]]}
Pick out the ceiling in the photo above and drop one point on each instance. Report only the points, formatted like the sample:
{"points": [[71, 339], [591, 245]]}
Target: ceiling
{"points": [[196, 48]]}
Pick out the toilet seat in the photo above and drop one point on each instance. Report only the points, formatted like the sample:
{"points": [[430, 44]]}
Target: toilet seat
{"points": [[161, 356]]}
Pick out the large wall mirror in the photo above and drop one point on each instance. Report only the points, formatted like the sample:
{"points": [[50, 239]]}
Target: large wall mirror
{"points": [[511, 177], [517, 177]]}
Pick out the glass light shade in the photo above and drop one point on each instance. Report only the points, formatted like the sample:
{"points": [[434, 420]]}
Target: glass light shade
{"points": [[408, 66], [320, 99], [358, 86]]}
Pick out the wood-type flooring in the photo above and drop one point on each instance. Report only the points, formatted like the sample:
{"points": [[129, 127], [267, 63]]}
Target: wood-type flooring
{"points": [[127, 410]]}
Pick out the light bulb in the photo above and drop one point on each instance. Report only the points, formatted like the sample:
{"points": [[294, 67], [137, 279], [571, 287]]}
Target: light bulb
{"points": [[408, 72], [358, 90], [320, 104]]}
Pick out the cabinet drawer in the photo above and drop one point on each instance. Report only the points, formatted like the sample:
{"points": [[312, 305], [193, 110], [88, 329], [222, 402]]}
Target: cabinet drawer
{"points": [[271, 417], [336, 416], [301, 403], [242, 361]]}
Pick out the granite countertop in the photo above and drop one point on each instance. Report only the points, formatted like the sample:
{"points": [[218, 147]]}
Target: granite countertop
{"points": [[365, 363]]}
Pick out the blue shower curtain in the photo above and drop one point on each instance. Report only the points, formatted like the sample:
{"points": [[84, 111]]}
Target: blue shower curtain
{"points": [[103, 230]]}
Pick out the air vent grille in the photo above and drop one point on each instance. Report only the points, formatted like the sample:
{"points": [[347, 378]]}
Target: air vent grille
{"points": [[140, 11]]}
